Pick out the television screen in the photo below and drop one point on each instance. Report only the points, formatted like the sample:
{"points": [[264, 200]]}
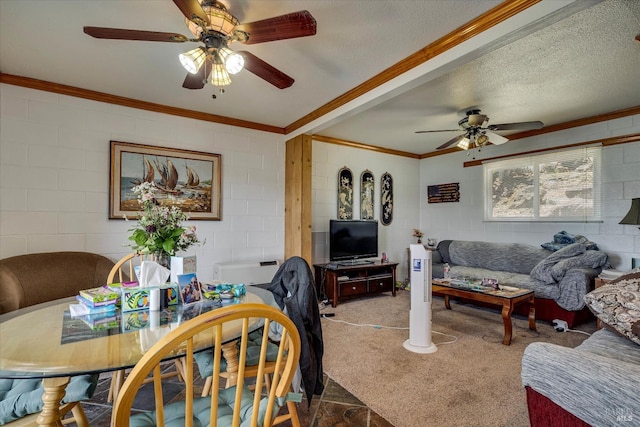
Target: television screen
{"points": [[352, 239]]}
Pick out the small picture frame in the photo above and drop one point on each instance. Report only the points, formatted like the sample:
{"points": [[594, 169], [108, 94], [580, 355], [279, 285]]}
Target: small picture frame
{"points": [[190, 291], [490, 282]]}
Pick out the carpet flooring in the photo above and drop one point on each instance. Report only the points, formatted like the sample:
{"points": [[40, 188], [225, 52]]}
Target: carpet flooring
{"points": [[471, 380]]}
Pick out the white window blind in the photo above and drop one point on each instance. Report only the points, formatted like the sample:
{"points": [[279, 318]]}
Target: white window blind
{"points": [[558, 186]]}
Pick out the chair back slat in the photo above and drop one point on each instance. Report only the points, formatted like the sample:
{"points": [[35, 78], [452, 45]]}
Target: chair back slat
{"points": [[157, 394], [217, 359], [189, 384]]}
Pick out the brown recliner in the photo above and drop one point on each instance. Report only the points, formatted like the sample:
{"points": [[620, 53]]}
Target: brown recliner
{"points": [[31, 279]]}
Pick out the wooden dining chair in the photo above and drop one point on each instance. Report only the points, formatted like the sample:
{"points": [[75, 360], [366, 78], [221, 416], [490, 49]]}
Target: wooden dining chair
{"points": [[124, 270], [231, 406]]}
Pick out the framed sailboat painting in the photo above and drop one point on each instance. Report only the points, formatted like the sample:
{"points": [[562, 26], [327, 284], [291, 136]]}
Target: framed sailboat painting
{"points": [[188, 179]]}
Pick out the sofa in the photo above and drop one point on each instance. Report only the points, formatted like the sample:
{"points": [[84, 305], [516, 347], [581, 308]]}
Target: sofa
{"points": [[596, 383], [560, 279], [26, 280]]}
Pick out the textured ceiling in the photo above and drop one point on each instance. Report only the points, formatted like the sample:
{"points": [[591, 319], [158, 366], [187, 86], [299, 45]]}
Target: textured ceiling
{"points": [[559, 60], [584, 65]]}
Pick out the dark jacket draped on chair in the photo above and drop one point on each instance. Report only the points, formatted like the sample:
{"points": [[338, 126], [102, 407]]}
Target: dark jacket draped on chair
{"points": [[294, 289]]}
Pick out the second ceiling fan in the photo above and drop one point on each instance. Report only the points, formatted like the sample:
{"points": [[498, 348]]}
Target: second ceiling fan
{"points": [[213, 26], [475, 135]]}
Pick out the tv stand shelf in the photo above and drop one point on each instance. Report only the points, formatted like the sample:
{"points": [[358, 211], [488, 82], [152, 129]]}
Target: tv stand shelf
{"points": [[343, 282]]}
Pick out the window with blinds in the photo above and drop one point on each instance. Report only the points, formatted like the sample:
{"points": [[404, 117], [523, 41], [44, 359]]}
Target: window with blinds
{"points": [[558, 186]]}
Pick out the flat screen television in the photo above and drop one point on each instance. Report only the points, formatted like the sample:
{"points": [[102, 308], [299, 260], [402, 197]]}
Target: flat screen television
{"points": [[352, 240]]}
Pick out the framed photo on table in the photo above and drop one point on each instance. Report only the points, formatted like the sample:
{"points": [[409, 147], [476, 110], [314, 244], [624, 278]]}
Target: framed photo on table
{"points": [[190, 291], [188, 179]]}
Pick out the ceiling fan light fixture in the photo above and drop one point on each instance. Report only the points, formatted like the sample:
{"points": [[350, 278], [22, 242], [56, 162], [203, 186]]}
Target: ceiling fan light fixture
{"points": [[233, 62], [193, 60], [219, 75], [219, 19], [482, 140], [464, 143]]}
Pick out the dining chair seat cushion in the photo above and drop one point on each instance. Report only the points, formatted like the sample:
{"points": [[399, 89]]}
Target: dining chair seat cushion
{"points": [[174, 413], [204, 359], [22, 397]]}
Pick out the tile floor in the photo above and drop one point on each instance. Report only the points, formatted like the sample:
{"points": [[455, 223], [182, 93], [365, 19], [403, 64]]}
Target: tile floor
{"points": [[335, 407]]}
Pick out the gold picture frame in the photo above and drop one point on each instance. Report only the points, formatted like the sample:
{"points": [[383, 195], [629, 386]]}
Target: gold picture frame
{"points": [[188, 179]]}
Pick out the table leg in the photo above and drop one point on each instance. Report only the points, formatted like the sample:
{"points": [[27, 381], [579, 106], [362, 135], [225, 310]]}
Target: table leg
{"points": [[447, 304], [54, 391], [507, 309], [532, 314], [230, 353]]}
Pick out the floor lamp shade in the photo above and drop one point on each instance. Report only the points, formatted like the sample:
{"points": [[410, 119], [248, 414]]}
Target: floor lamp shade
{"points": [[633, 216]]}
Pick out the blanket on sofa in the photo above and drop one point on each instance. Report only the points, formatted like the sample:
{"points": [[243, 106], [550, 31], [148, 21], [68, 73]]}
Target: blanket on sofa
{"points": [[553, 268]]}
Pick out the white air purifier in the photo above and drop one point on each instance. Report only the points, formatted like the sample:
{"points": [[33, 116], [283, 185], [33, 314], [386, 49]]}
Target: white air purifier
{"points": [[420, 313]]}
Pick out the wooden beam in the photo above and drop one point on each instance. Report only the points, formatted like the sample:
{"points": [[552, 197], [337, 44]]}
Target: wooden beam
{"points": [[482, 23], [623, 139], [297, 198], [132, 103]]}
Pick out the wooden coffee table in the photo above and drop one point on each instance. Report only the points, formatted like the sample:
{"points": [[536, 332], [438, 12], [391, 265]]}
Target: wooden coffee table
{"points": [[508, 299]]}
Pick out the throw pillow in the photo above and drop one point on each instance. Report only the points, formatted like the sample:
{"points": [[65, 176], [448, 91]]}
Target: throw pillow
{"points": [[617, 304], [443, 248]]}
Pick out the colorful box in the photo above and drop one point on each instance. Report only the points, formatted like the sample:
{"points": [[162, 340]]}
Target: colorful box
{"points": [[170, 295], [135, 299]]}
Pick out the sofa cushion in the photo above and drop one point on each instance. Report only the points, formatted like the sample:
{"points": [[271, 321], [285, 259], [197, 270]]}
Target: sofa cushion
{"points": [[617, 304], [511, 257]]}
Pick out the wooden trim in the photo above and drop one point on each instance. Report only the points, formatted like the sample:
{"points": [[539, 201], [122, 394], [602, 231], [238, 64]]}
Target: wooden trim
{"points": [[577, 123], [461, 34], [132, 103], [624, 139], [360, 145]]}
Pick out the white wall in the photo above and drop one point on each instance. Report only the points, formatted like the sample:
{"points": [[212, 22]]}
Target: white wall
{"points": [[464, 220], [54, 178], [395, 238]]}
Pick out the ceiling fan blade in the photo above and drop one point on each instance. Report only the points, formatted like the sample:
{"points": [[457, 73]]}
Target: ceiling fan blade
{"points": [[440, 130], [517, 126], [452, 141], [121, 34], [265, 71], [192, 10], [198, 80], [289, 26], [496, 139]]}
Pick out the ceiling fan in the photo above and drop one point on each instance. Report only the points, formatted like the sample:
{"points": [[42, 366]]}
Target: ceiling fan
{"points": [[475, 135], [214, 27]]}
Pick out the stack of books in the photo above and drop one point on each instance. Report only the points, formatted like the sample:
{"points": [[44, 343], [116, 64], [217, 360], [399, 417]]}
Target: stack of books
{"points": [[102, 300]]}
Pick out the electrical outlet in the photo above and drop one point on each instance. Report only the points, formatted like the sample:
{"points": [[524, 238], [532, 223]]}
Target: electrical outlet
{"points": [[560, 325]]}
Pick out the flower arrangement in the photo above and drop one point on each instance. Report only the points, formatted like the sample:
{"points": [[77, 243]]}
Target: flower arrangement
{"points": [[417, 233], [159, 230]]}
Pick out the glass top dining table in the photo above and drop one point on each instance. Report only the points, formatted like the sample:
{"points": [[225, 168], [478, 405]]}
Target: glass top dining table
{"points": [[44, 341]]}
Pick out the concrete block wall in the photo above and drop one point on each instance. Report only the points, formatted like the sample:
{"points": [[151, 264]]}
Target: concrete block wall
{"points": [[54, 178]]}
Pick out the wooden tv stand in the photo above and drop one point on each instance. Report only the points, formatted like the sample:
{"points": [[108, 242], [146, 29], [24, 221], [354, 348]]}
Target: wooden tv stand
{"points": [[348, 281]]}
